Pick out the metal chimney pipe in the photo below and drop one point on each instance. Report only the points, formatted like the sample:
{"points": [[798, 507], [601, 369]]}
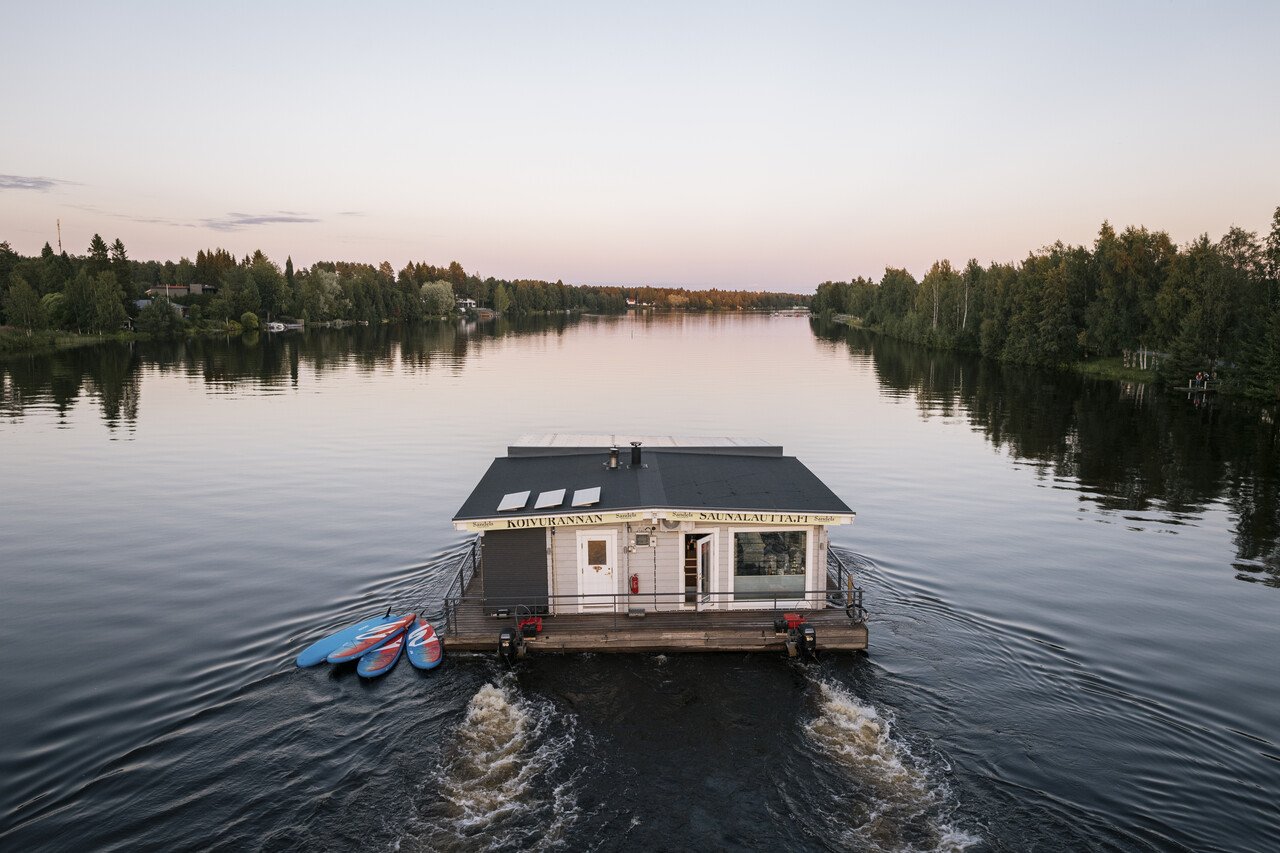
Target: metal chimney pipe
{"points": [[635, 454], [613, 457]]}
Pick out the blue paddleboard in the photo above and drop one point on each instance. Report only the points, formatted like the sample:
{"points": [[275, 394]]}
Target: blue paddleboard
{"points": [[368, 640], [319, 651], [382, 658], [424, 648]]}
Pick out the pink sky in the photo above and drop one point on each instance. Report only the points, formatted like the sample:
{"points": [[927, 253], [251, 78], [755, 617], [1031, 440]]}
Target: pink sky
{"points": [[727, 145]]}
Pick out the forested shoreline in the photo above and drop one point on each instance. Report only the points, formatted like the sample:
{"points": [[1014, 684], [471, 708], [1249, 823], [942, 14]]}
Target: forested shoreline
{"points": [[99, 292], [1207, 306]]}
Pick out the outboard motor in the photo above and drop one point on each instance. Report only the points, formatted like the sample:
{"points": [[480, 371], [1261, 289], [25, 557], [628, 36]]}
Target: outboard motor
{"points": [[508, 646], [808, 642]]}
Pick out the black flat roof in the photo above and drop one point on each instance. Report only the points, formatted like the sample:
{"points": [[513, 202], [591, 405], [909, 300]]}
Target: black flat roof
{"points": [[755, 479]]}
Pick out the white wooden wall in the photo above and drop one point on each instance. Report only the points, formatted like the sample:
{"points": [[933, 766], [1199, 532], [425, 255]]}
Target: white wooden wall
{"points": [[665, 562]]}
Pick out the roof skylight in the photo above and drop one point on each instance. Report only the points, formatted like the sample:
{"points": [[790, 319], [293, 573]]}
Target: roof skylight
{"points": [[513, 501], [552, 498], [586, 497]]}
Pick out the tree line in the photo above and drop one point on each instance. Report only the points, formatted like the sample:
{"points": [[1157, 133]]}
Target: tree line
{"points": [[1208, 306], [100, 291]]}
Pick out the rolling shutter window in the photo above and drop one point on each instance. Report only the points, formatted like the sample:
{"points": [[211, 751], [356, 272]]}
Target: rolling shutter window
{"points": [[515, 569]]}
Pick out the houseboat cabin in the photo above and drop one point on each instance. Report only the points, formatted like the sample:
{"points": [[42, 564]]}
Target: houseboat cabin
{"points": [[650, 525]]}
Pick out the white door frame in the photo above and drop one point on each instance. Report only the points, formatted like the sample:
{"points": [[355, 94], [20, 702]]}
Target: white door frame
{"points": [[611, 563], [711, 572], [699, 535]]}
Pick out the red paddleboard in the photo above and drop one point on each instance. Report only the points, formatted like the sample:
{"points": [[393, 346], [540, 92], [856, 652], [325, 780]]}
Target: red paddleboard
{"points": [[382, 658], [367, 641], [425, 651]]}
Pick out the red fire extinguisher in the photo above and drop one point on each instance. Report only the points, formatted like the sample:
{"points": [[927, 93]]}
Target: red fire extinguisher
{"points": [[635, 584]]}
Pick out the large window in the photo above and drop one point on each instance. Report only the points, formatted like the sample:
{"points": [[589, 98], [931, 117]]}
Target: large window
{"points": [[769, 564]]}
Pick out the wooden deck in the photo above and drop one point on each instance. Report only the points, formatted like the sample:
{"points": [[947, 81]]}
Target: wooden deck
{"points": [[656, 631]]}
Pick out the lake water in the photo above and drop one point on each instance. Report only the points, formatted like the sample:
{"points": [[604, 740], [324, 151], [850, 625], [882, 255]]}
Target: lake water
{"points": [[1074, 590]]}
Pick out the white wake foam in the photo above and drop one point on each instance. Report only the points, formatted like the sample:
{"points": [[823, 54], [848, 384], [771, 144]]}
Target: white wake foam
{"points": [[498, 783], [895, 803]]}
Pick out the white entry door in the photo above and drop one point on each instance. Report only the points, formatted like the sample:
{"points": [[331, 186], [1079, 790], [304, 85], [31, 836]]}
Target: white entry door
{"points": [[597, 559]]}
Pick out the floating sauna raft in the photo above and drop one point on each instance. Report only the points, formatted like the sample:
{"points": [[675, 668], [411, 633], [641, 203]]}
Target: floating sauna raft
{"points": [[474, 623], [678, 544]]}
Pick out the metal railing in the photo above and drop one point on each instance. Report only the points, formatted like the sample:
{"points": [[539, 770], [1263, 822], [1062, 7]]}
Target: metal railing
{"points": [[844, 584], [467, 567], [694, 609], [844, 596]]}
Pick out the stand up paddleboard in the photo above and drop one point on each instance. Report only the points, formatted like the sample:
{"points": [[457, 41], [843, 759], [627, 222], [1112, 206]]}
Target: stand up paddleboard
{"points": [[424, 649], [319, 651], [382, 658], [367, 641]]}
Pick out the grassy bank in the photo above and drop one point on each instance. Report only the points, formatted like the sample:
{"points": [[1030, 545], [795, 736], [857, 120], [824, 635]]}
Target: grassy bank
{"points": [[1113, 368], [15, 341]]}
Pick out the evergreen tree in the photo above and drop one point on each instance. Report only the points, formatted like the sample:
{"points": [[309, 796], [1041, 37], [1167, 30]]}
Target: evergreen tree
{"points": [[54, 271], [266, 279], [8, 260], [1271, 257], [99, 255], [1262, 376], [1056, 342], [123, 269]]}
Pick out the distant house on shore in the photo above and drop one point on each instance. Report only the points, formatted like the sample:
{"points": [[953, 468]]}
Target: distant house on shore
{"points": [[180, 310]]}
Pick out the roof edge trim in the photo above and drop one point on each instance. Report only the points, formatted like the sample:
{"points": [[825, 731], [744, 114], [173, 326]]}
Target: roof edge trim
{"points": [[642, 516]]}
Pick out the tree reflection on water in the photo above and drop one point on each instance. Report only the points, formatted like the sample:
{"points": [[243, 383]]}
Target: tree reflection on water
{"points": [[1129, 448]]}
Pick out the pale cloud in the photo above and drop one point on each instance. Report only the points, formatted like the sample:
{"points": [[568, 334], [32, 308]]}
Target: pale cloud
{"points": [[238, 221], [23, 182]]}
